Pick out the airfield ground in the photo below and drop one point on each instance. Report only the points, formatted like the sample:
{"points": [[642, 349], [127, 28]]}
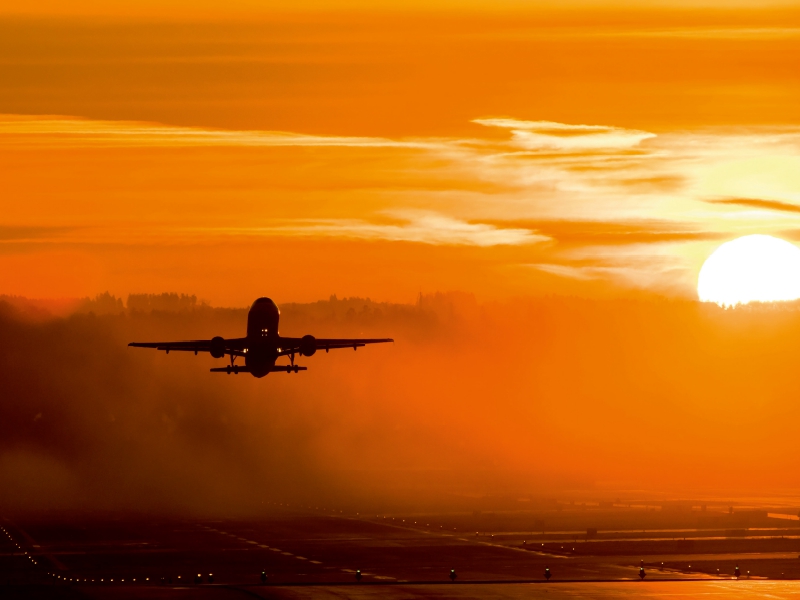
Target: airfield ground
{"points": [[315, 552]]}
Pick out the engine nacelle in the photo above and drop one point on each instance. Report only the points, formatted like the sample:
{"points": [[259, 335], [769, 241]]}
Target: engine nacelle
{"points": [[308, 345], [217, 347]]}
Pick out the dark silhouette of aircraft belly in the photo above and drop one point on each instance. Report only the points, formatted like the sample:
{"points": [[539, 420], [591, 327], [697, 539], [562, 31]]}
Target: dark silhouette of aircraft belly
{"points": [[260, 358], [263, 345]]}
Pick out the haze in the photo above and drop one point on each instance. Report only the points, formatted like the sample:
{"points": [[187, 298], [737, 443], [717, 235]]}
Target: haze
{"points": [[525, 397]]}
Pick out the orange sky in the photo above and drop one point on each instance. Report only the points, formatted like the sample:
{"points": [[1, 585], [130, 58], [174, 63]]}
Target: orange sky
{"points": [[598, 149], [519, 152]]}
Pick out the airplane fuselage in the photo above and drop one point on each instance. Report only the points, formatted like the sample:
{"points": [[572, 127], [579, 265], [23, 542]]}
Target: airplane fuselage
{"points": [[263, 339]]}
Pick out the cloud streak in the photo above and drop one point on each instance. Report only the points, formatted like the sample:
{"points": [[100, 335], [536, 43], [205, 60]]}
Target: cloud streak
{"points": [[548, 135], [75, 132], [422, 227], [757, 203], [541, 187], [416, 227], [612, 233]]}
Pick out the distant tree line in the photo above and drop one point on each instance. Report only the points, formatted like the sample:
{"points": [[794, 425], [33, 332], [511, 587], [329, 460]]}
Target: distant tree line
{"points": [[108, 304]]}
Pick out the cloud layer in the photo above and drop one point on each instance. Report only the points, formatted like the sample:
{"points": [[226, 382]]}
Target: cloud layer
{"points": [[581, 202]]}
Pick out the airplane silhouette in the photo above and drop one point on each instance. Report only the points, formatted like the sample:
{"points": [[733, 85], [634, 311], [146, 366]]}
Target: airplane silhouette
{"points": [[262, 346]]}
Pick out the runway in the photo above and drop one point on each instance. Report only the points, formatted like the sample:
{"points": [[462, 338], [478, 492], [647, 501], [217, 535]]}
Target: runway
{"points": [[304, 553]]}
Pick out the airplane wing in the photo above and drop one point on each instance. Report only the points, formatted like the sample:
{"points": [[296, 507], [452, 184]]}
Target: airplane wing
{"points": [[234, 346], [294, 345]]}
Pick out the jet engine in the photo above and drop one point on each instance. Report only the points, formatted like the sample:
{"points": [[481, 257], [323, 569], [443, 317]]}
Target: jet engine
{"points": [[217, 347], [308, 345]]}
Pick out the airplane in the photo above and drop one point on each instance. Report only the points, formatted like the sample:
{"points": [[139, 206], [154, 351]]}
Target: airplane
{"points": [[262, 346]]}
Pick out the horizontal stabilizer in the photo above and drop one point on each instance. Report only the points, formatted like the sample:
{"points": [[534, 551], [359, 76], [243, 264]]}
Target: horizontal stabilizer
{"points": [[287, 369], [236, 369]]}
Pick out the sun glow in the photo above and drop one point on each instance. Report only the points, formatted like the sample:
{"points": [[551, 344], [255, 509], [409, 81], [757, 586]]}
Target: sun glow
{"points": [[753, 268]]}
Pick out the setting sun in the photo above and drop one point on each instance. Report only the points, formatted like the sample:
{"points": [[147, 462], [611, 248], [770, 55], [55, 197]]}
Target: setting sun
{"points": [[753, 268]]}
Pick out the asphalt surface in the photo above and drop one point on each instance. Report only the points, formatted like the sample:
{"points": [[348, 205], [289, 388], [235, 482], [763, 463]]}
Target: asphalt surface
{"points": [[305, 554]]}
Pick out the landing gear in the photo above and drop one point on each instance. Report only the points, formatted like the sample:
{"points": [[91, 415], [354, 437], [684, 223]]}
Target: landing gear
{"points": [[292, 368]]}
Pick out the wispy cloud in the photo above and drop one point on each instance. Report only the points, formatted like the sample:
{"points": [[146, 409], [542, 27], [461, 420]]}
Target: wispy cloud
{"points": [[548, 135], [415, 226], [71, 131], [757, 203], [631, 203], [422, 227], [646, 266], [612, 233]]}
